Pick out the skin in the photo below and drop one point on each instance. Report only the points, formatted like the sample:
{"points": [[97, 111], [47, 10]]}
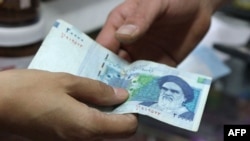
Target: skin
{"points": [[164, 31], [50, 106]]}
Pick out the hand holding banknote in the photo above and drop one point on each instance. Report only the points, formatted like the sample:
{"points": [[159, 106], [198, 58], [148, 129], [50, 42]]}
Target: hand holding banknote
{"points": [[67, 49], [47, 106]]}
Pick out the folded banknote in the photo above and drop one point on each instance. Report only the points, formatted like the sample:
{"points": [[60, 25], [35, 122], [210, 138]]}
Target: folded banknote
{"points": [[156, 90]]}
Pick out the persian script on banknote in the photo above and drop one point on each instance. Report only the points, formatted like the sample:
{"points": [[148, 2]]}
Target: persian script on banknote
{"points": [[156, 90]]}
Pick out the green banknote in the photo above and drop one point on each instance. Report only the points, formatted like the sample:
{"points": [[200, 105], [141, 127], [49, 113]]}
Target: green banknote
{"points": [[156, 90]]}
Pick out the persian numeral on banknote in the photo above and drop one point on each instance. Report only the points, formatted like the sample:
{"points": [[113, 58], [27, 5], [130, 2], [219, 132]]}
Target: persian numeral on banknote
{"points": [[164, 93]]}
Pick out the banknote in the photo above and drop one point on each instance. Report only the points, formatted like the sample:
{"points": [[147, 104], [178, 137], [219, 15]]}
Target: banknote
{"points": [[203, 59], [167, 94]]}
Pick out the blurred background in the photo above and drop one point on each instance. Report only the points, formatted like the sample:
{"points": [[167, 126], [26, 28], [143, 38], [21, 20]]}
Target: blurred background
{"points": [[223, 54]]}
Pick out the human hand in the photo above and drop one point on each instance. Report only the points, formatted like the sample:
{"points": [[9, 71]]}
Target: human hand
{"points": [[50, 106], [164, 31]]}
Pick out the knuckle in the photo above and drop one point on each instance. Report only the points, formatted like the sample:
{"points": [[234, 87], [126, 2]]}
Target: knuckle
{"points": [[80, 131], [65, 79], [103, 88], [132, 126]]}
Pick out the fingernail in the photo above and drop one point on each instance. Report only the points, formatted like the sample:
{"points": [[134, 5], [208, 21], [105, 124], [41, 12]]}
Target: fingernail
{"points": [[121, 93], [128, 29]]}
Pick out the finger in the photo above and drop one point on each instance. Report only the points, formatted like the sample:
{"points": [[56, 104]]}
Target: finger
{"points": [[123, 54], [138, 19], [106, 37], [92, 91], [115, 125], [99, 124]]}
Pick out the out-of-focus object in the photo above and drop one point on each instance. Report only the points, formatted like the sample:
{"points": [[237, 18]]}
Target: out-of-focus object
{"points": [[203, 60], [243, 4], [46, 0], [18, 12], [21, 40], [242, 53], [21, 32], [238, 8]]}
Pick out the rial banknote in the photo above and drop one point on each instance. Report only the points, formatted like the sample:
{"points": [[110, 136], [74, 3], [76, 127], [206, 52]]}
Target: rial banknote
{"points": [[156, 90]]}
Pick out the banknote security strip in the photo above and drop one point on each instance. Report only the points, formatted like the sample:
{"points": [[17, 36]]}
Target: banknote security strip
{"points": [[156, 90]]}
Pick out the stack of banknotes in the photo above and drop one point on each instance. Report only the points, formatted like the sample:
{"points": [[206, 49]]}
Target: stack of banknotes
{"points": [[166, 94]]}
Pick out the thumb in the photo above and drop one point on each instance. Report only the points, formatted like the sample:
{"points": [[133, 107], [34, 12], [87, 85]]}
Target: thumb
{"points": [[138, 20]]}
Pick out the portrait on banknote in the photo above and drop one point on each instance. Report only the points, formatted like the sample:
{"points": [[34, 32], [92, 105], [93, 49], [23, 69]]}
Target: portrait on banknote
{"points": [[174, 94]]}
